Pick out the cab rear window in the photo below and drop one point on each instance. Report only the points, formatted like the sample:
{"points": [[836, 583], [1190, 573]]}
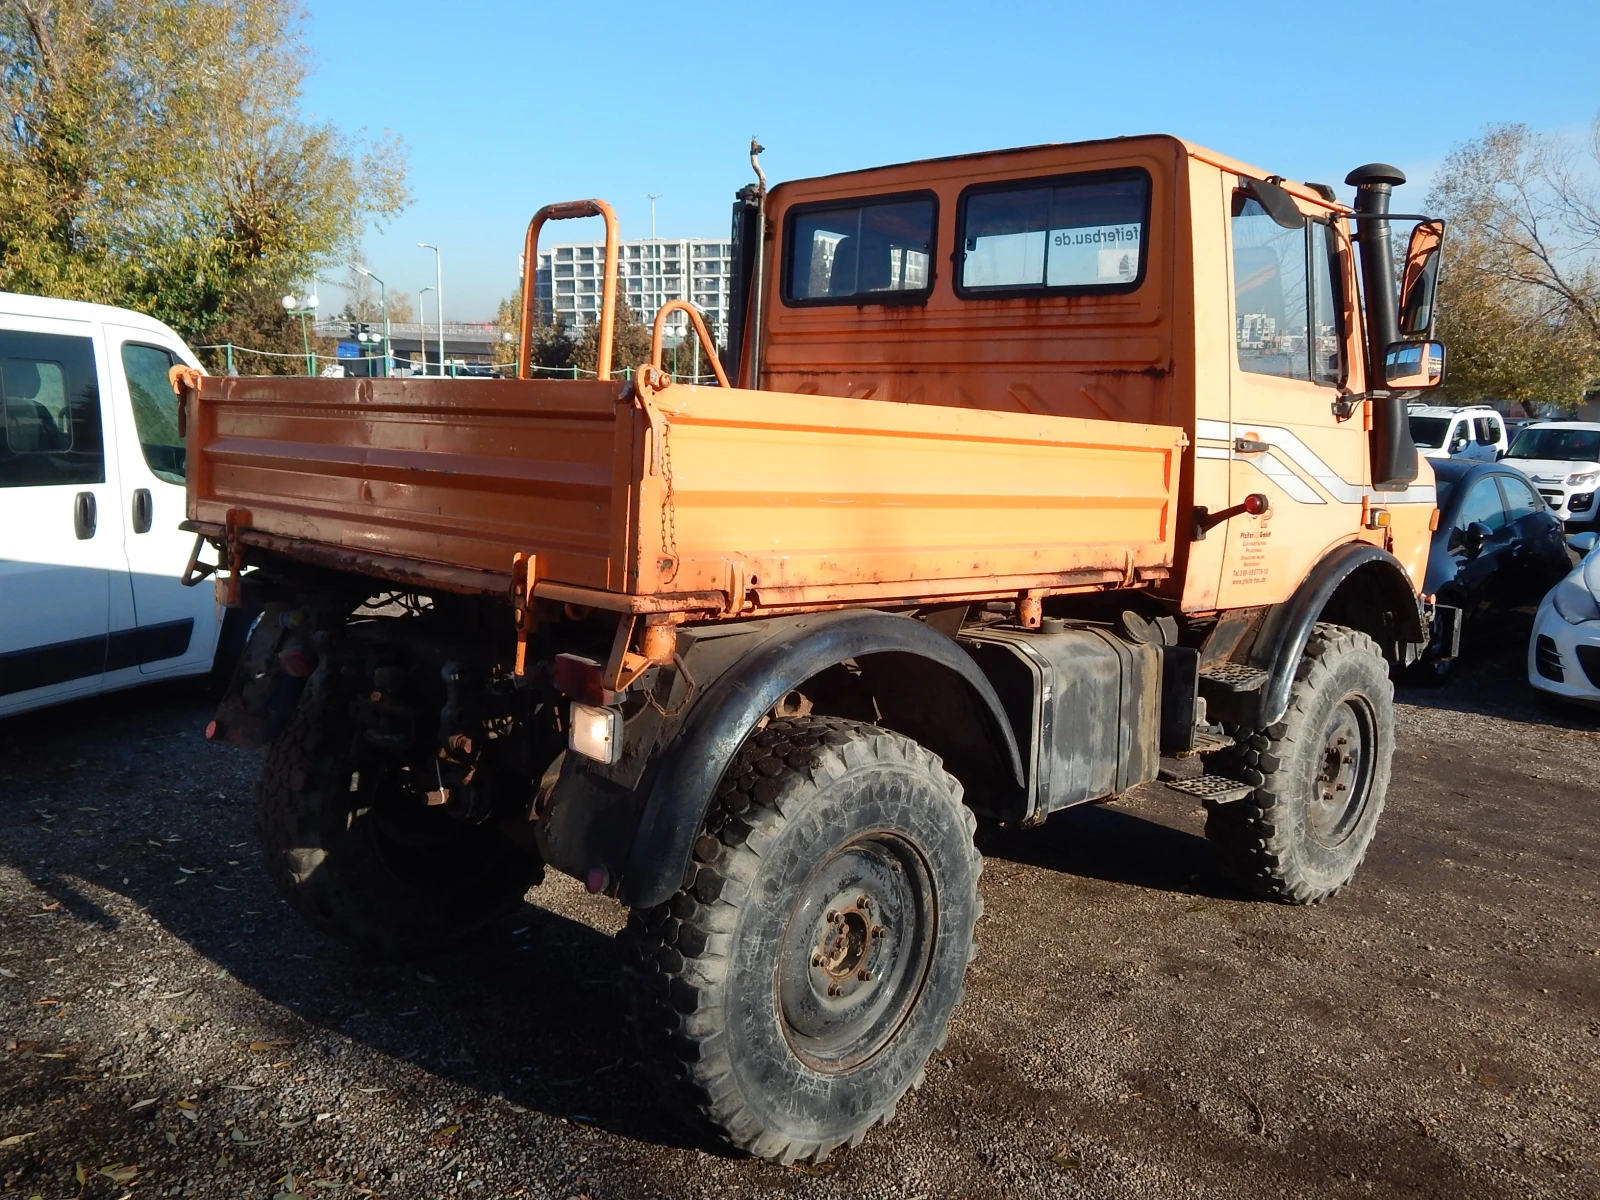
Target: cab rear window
{"points": [[871, 251], [1075, 233]]}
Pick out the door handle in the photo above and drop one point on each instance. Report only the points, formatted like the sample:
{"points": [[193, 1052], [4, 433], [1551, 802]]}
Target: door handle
{"points": [[83, 516], [144, 514]]}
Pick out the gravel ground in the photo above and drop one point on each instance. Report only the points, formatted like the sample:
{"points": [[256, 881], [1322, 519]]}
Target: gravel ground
{"points": [[1132, 1028]]}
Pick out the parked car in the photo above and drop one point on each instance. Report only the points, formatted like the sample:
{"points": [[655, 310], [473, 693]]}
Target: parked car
{"points": [[1497, 550], [91, 494], [1563, 460], [1564, 651], [1477, 432]]}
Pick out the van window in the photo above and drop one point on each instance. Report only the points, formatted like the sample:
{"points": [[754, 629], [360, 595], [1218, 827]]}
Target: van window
{"points": [[1287, 301], [877, 251], [1083, 233], [155, 408], [51, 399], [1429, 432]]}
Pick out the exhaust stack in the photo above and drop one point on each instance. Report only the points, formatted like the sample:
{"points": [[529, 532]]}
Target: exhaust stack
{"points": [[1394, 454]]}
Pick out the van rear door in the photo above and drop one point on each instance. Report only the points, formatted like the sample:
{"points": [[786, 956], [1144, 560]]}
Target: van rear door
{"points": [[61, 557]]}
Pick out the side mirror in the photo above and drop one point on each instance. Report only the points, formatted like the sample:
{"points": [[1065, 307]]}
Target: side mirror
{"points": [[1473, 538], [1420, 280], [1584, 543], [1412, 366], [1456, 446]]}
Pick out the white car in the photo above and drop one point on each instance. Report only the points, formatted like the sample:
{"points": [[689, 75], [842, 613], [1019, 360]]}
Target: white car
{"points": [[91, 494], [1564, 651], [1563, 460], [1476, 432]]}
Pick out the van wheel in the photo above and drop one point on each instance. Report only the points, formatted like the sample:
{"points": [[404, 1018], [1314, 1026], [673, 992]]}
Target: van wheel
{"points": [[1320, 775], [792, 992], [361, 858]]}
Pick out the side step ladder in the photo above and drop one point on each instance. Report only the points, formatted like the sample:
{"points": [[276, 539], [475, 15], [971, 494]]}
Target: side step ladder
{"points": [[1218, 789]]}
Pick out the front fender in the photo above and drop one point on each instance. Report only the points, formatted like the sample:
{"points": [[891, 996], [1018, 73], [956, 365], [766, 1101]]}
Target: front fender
{"points": [[1356, 584], [721, 720]]}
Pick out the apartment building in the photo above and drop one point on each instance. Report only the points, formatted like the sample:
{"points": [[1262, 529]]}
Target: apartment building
{"points": [[651, 271]]}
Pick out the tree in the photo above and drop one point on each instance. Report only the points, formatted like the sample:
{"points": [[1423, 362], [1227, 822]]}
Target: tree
{"points": [[152, 156], [1520, 287], [630, 341], [362, 301], [553, 344]]}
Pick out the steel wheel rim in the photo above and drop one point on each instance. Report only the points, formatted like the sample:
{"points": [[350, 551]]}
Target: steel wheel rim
{"points": [[856, 952], [1343, 783]]}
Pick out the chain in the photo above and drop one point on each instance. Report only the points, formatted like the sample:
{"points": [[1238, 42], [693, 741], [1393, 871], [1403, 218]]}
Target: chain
{"points": [[669, 516]]}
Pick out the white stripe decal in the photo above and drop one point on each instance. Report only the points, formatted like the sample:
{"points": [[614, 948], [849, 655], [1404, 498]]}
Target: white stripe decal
{"points": [[1302, 456]]}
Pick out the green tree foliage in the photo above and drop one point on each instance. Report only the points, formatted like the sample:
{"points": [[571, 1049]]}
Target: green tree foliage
{"points": [[1520, 287], [630, 342], [556, 348], [152, 156]]}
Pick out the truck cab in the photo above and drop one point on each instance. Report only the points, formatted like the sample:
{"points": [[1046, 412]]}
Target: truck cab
{"points": [[91, 500]]}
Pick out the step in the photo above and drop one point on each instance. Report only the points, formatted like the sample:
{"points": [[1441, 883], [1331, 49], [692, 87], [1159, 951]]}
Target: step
{"points": [[1236, 677], [1218, 789]]}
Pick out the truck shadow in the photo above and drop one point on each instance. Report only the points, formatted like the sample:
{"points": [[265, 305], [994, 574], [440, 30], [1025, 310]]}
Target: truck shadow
{"points": [[1113, 844], [532, 1012]]}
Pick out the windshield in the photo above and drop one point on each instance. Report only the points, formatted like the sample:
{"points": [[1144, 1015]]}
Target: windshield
{"points": [[1569, 445], [1429, 432]]}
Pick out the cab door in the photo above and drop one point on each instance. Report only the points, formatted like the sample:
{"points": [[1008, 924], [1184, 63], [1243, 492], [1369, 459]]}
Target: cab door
{"points": [[61, 563], [1294, 325], [176, 625]]}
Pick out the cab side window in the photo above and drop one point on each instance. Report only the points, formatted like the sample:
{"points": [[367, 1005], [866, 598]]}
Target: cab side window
{"points": [[155, 408], [1488, 431], [1483, 506], [51, 403], [1287, 302]]}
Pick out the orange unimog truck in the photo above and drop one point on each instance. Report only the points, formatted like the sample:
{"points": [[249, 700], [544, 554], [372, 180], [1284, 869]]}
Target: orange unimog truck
{"points": [[1029, 473]]}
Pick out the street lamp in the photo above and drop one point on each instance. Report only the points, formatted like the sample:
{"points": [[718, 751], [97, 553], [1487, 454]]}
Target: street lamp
{"points": [[303, 307], [383, 308], [422, 325], [516, 354], [438, 295]]}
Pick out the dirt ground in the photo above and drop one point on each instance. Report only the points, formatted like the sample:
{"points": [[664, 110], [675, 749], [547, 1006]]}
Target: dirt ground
{"points": [[1132, 1027]]}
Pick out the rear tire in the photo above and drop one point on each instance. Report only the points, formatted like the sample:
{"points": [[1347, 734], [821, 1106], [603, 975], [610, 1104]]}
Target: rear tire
{"points": [[774, 1009], [363, 861], [1321, 776]]}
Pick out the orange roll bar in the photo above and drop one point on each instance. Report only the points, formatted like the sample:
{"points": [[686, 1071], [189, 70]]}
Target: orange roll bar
{"points": [[565, 211], [700, 330]]}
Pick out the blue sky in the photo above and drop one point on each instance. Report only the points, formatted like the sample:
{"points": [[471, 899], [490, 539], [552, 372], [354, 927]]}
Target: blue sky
{"points": [[506, 106]]}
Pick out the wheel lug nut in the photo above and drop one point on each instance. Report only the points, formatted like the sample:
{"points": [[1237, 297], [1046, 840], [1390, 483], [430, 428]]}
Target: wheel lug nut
{"points": [[816, 960], [878, 931], [864, 975], [833, 989], [863, 902], [832, 916]]}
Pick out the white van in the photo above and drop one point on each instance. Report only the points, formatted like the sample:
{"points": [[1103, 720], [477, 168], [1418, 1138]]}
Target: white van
{"points": [[1476, 432], [91, 494]]}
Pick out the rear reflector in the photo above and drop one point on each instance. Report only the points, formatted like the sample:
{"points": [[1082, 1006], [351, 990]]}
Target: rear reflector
{"points": [[595, 733], [579, 677]]}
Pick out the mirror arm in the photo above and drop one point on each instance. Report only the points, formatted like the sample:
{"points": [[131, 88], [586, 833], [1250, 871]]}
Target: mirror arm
{"points": [[1344, 406]]}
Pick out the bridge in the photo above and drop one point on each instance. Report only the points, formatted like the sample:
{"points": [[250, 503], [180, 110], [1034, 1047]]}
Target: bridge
{"points": [[471, 340]]}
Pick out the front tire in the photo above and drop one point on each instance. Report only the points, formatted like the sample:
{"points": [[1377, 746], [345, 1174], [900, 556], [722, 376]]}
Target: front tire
{"points": [[363, 860], [1321, 776], [792, 992]]}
